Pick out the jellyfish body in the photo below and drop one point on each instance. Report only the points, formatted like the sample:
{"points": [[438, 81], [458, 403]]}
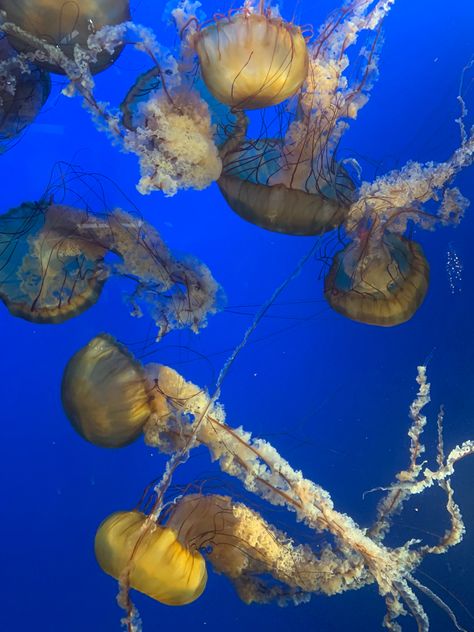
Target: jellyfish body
{"points": [[381, 284], [64, 25], [153, 559], [24, 93], [251, 60], [105, 393], [52, 266], [48, 271], [258, 185], [278, 207]]}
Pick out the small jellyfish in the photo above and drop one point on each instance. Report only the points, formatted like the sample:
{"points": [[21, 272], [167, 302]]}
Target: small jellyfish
{"points": [[155, 562], [64, 24], [166, 559], [258, 186], [250, 58], [108, 396], [104, 393], [24, 89], [378, 283], [262, 562]]}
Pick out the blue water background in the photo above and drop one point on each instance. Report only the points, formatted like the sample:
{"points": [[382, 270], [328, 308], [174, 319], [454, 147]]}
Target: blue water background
{"points": [[330, 394]]}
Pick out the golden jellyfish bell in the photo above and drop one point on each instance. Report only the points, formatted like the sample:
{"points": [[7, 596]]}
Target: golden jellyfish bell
{"points": [[258, 186], [64, 24], [104, 393], [158, 565], [281, 209], [252, 60], [383, 286]]}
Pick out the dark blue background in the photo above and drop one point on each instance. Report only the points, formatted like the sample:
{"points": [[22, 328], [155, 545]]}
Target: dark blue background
{"points": [[332, 395]]}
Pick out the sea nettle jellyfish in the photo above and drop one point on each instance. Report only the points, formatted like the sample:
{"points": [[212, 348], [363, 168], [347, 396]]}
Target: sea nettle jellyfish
{"points": [[263, 563], [378, 283], [98, 412], [24, 89], [64, 24], [288, 178], [53, 266], [251, 58], [381, 277], [166, 558], [154, 561]]}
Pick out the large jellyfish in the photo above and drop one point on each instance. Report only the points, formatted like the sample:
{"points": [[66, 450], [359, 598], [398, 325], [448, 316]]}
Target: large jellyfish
{"points": [[378, 282], [381, 277], [159, 565], [99, 416], [350, 558], [64, 24], [24, 89], [251, 58], [53, 266]]}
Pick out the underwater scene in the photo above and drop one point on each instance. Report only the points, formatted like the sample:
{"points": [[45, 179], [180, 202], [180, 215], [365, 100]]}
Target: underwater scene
{"points": [[236, 253]]}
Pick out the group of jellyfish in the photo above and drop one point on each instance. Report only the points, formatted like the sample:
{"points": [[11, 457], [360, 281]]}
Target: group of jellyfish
{"points": [[188, 120]]}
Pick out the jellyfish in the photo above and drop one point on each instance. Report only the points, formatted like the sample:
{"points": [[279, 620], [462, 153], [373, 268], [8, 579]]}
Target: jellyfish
{"points": [[155, 561], [97, 414], [251, 58], [381, 277], [24, 89], [383, 285], [64, 25], [289, 178], [243, 546], [53, 267], [252, 185]]}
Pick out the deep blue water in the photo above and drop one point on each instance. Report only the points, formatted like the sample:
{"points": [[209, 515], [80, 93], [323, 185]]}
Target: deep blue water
{"points": [[332, 395]]}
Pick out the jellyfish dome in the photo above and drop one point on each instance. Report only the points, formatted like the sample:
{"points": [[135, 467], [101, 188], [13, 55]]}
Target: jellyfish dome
{"points": [[157, 564], [251, 59], [64, 24], [378, 283], [105, 394]]}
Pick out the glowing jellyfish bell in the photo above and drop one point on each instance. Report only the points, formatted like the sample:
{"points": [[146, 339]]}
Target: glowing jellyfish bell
{"points": [[64, 24], [378, 282], [105, 394], [252, 59], [158, 564]]}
